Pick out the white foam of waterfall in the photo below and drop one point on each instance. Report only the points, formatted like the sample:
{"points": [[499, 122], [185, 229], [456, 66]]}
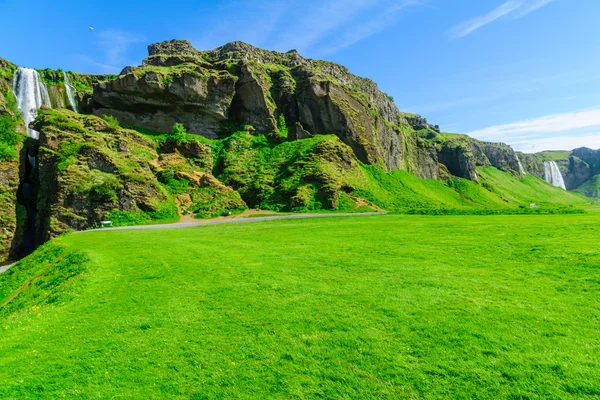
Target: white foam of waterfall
{"points": [[31, 94], [552, 174], [521, 169], [70, 92]]}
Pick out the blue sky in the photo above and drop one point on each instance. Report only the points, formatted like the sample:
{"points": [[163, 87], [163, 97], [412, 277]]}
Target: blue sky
{"points": [[524, 72]]}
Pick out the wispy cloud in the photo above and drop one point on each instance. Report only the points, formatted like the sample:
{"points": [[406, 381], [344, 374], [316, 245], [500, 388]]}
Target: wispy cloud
{"points": [[566, 142], [514, 8], [114, 45], [556, 131], [266, 16], [549, 123], [382, 20], [317, 21]]}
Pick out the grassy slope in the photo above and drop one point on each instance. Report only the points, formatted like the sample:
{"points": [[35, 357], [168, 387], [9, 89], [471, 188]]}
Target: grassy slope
{"points": [[393, 306], [271, 174], [591, 187], [553, 155]]}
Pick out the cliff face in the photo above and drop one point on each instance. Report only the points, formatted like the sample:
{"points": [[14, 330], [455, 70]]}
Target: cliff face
{"points": [[11, 160], [286, 95], [577, 166], [462, 154]]}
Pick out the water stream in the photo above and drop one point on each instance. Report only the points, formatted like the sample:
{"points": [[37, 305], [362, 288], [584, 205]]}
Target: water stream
{"points": [[553, 175], [31, 94], [70, 89]]}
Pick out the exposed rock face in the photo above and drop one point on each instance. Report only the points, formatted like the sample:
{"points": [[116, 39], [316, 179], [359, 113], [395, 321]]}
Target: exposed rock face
{"points": [[237, 84], [589, 156], [195, 96], [208, 90], [532, 164], [172, 47], [577, 167], [462, 154], [575, 171]]}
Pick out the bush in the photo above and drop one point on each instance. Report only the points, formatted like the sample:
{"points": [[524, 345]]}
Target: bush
{"points": [[178, 135], [113, 122]]}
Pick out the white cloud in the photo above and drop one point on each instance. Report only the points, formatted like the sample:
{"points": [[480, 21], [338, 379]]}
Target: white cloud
{"points": [[564, 131], [546, 124], [516, 8], [531, 7], [558, 143]]}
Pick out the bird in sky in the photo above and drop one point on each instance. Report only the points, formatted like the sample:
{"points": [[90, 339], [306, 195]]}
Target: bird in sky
{"points": [[91, 28]]}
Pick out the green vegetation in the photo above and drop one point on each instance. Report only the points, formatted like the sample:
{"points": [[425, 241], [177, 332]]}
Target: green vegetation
{"points": [[101, 172], [178, 135], [368, 307], [591, 187], [318, 174], [9, 138], [554, 155], [112, 121]]}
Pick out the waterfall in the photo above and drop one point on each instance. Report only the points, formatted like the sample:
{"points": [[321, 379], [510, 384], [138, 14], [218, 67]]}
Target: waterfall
{"points": [[552, 174], [521, 169], [31, 94], [70, 92]]}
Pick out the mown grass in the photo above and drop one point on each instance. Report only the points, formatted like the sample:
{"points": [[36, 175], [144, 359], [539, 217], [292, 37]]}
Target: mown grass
{"points": [[365, 307]]}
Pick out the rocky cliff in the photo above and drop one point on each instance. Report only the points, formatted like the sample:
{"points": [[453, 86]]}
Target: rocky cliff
{"points": [[286, 95], [577, 166]]}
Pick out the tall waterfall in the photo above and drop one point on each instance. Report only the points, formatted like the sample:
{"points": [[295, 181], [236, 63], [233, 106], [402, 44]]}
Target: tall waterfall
{"points": [[521, 169], [70, 92], [31, 93], [552, 174]]}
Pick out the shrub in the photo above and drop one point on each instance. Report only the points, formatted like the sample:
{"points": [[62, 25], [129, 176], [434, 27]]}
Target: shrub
{"points": [[178, 134], [112, 121]]}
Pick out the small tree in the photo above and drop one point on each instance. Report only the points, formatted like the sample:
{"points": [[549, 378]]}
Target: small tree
{"points": [[178, 134]]}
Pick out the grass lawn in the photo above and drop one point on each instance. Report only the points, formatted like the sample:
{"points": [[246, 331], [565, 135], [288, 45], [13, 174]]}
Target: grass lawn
{"points": [[363, 307]]}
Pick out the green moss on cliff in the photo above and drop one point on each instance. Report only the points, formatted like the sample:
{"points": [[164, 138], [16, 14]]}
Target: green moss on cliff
{"points": [[590, 188]]}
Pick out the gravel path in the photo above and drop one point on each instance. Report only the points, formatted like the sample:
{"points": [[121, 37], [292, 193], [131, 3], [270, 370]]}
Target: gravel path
{"points": [[223, 221], [5, 267], [177, 225]]}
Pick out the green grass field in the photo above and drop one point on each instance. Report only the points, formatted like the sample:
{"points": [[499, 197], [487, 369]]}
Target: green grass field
{"points": [[362, 307]]}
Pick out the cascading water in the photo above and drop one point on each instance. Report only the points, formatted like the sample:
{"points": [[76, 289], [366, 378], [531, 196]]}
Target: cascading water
{"points": [[70, 92], [521, 169], [31, 94], [552, 174]]}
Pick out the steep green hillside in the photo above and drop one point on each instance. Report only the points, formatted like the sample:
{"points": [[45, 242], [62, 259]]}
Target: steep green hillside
{"points": [[365, 307], [553, 155], [322, 173], [591, 188]]}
